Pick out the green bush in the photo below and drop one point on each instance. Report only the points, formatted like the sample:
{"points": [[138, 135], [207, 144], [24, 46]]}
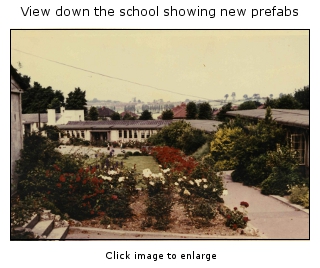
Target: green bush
{"points": [[136, 153], [284, 174], [299, 194], [180, 135]]}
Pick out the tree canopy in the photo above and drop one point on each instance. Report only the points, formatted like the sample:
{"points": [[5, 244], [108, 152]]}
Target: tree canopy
{"points": [[167, 115], [77, 100], [303, 97], [180, 135], [38, 99], [205, 111], [93, 114], [146, 115], [115, 116], [191, 110], [247, 105]]}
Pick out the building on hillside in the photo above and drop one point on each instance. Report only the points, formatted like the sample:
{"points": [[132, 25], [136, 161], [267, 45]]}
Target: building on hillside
{"points": [[179, 111], [31, 121], [16, 131], [296, 123], [105, 113], [129, 113]]}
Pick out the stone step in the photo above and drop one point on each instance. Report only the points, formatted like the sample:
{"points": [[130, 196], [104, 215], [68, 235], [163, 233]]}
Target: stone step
{"points": [[58, 233], [34, 220], [43, 228]]}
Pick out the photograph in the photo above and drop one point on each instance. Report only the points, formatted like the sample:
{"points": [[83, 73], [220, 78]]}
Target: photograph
{"points": [[159, 134]]}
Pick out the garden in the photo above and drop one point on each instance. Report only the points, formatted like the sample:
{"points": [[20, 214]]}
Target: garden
{"points": [[165, 191]]}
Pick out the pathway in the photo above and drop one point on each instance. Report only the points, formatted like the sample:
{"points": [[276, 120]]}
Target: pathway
{"points": [[273, 218]]}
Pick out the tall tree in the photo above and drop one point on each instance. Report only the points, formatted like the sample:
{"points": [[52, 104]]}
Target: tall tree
{"points": [[205, 111], [247, 105], [191, 110], [115, 116], [224, 109], [167, 115], [146, 115], [303, 96], [245, 96], [93, 113], [226, 96], [233, 95], [286, 101], [77, 100]]}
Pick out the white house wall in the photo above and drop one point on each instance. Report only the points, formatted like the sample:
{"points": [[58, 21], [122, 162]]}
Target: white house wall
{"points": [[70, 115]]}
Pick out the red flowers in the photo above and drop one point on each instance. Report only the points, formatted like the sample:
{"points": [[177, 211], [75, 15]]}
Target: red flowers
{"points": [[174, 158], [235, 208], [62, 178], [245, 219], [59, 185], [235, 226], [78, 179], [228, 217], [114, 197], [244, 204], [56, 167]]}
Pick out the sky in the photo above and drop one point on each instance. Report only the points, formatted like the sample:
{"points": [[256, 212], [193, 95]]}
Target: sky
{"points": [[172, 65]]}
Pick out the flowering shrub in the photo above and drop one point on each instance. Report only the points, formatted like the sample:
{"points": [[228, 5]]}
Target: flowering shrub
{"points": [[200, 193], [84, 192], [174, 159], [160, 199], [234, 218]]}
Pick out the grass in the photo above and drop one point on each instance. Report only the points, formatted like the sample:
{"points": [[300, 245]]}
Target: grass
{"points": [[142, 162]]}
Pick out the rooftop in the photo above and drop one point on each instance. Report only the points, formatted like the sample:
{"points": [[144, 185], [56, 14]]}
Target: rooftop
{"points": [[296, 118], [34, 118], [118, 124]]}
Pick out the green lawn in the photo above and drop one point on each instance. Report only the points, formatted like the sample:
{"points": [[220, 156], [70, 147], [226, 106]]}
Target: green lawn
{"points": [[142, 162]]}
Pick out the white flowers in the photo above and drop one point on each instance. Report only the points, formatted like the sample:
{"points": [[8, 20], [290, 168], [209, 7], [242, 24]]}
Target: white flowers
{"points": [[166, 170], [146, 173], [197, 181], [151, 183], [205, 186], [105, 178], [176, 183], [225, 192], [204, 180], [186, 192], [121, 179], [214, 190], [191, 182], [112, 172], [180, 179]]}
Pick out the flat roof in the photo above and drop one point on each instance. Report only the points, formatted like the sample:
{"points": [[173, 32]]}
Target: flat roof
{"points": [[116, 124], [206, 125], [34, 118], [296, 118]]}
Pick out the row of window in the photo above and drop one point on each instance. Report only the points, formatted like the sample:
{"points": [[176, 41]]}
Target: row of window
{"points": [[74, 133], [134, 134]]}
